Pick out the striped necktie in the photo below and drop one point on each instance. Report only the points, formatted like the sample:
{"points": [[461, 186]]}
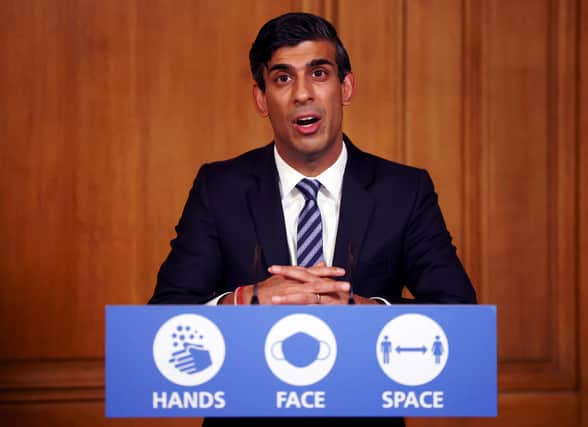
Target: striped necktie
{"points": [[310, 228]]}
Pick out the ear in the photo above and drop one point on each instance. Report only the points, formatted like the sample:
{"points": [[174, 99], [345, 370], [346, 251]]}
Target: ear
{"points": [[259, 101], [347, 88]]}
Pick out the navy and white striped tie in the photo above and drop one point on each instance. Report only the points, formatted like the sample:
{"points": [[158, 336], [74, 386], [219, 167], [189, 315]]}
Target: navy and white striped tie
{"points": [[310, 228]]}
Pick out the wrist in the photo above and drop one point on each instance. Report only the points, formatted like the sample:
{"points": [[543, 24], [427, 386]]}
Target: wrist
{"points": [[366, 301], [226, 299], [240, 296], [247, 293]]}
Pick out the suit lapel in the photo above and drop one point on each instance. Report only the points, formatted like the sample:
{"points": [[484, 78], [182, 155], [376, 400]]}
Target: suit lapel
{"points": [[356, 208], [265, 207]]}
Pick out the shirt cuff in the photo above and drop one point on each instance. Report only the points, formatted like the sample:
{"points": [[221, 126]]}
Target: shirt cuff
{"points": [[215, 300], [382, 300]]}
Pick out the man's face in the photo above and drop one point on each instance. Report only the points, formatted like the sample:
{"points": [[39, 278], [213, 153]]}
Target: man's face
{"points": [[304, 101]]}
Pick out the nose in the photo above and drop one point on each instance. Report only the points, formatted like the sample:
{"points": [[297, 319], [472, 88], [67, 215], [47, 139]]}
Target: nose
{"points": [[302, 91]]}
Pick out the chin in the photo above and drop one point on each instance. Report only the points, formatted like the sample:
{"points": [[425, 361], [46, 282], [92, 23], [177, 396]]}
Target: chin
{"points": [[312, 147], [316, 142]]}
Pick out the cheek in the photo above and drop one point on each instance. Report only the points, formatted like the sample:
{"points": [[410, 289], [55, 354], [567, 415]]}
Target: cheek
{"points": [[335, 111], [276, 110], [334, 100], [277, 115]]}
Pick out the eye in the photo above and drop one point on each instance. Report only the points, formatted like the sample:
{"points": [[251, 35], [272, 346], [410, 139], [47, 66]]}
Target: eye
{"points": [[282, 78], [320, 74]]}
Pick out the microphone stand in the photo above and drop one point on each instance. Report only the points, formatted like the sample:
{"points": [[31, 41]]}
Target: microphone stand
{"points": [[256, 265], [351, 265]]}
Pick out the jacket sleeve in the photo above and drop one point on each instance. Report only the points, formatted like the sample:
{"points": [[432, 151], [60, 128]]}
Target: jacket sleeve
{"points": [[434, 272], [192, 272]]}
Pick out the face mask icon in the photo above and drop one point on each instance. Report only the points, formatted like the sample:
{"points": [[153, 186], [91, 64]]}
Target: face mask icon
{"points": [[300, 349]]}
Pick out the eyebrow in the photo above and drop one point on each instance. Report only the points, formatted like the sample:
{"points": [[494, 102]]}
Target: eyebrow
{"points": [[311, 64], [322, 61]]}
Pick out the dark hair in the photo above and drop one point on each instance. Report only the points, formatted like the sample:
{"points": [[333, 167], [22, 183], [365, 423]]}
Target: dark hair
{"points": [[289, 30]]}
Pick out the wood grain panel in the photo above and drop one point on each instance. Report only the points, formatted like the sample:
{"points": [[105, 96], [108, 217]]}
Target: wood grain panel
{"points": [[434, 96], [110, 108], [518, 409], [195, 102], [533, 409], [472, 142], [374, 38], [78, 414], [515, 178], [583, 212], [36, 188], [527, 198], [51, 380], [325, 8], [564, 343]]}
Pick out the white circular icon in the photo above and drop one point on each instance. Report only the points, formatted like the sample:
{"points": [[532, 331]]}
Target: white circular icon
{"points": [[300, 349], [412, 349], [189, 349]]}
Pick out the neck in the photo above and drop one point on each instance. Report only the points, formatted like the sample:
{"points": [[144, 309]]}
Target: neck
{"points": [[312, 164]]}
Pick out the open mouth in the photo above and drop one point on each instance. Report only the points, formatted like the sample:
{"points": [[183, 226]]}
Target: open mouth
{"points": [[307, 121]]}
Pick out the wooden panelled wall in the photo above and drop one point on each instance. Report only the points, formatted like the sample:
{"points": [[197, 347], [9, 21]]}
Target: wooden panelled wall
{"points": [[108, 107]]}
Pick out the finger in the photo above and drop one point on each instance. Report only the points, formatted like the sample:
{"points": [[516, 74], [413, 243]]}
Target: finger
{"points": [[307, 293], [300, 298], [306, 274], [327, 286], [323, 271], [306, 298], [317, 286], [277, 280], [274, 285], [334, 298], [292, 272]]}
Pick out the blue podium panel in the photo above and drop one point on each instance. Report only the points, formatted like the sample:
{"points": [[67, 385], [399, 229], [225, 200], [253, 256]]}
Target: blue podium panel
{"points": [[298, 361]]}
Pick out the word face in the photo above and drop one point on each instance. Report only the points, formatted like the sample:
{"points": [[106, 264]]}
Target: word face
{"points": [[307, 399]]}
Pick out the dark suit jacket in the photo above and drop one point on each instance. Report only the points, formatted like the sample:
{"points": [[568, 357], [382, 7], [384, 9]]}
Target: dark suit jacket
{"points": [[389, 214]]}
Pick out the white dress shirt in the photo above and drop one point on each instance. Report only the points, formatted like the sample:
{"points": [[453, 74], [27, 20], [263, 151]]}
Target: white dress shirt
{"points": [[328, 200]]}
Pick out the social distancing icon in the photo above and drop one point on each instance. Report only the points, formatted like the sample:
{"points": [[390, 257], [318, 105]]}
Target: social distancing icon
{"points": [[412, 349]]}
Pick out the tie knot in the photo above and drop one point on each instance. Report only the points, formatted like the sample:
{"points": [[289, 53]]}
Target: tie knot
{"points": [[309, 188]]}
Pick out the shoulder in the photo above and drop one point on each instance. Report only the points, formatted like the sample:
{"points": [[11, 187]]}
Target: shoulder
{"points": [[373, 170], [245, 163], [237, 173]]}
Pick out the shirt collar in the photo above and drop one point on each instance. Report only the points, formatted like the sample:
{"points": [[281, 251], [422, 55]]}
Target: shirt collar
{"points": [[331, 178]]}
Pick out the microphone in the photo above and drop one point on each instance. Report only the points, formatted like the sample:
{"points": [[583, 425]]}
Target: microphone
{"points": [[350, 267], [256, 267]]}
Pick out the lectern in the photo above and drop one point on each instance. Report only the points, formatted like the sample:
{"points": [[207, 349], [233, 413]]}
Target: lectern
{"points": [[300, 361]]}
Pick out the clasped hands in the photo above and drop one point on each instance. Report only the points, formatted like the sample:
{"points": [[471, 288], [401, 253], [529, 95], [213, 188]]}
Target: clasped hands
{"points": [[290, 284]]}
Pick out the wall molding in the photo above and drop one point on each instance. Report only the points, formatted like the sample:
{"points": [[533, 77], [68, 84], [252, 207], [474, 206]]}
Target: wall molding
{"points": [[51, 380]]}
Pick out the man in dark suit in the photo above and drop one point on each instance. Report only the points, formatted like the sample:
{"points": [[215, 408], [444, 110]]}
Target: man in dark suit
{"points": [[310, 217]]}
